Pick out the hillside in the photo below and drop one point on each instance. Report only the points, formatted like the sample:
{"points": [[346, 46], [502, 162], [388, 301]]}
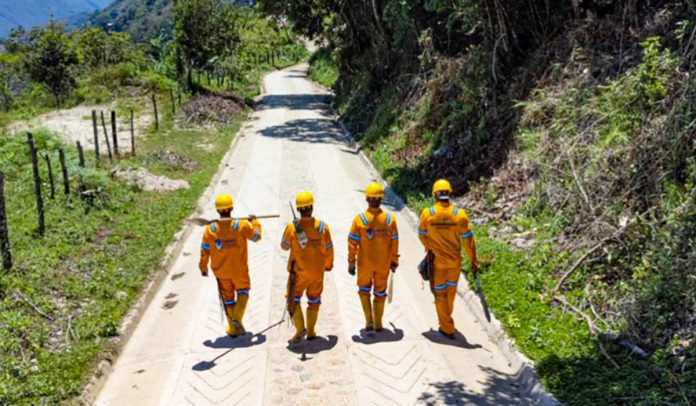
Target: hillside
{"points": [[568, 131], [141, 19], [30, 13]]}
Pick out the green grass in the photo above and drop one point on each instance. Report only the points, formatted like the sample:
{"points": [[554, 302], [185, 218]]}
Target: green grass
{"points": [[323, 69], [568, 359], [93, 260]]}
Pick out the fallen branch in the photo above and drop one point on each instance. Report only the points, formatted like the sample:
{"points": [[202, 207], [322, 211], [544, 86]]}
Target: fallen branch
{"points": [[592, 327], [591, 251], [32, 305]]}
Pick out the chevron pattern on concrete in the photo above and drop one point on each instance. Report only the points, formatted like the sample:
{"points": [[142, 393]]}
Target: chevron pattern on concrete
{"points": [[180, 355]]}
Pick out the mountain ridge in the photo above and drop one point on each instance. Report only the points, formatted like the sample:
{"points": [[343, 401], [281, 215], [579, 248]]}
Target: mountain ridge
{"points": [[30, 13]]}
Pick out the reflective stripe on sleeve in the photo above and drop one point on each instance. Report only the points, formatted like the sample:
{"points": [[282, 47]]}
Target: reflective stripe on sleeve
{"points": [[422, 232], [353, 237], [256, 236], [395, 237], [205, 247], [329, 245], [468, 234], [284, 244]]}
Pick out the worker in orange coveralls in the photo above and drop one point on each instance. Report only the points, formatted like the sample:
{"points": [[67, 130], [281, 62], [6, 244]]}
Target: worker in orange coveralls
{"points": [[225, 248], [311, 254], [443, 229], [374, 240]]}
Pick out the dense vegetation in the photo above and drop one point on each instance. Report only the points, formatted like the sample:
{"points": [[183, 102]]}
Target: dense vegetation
{"points": [[62, 302], [571, 124]]}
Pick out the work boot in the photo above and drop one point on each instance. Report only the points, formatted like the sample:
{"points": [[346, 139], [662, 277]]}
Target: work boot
{"points": [[379, 311], [312, 316], [298, 321], [231, 329], [447, 335], [367, 309], [239, 310]]}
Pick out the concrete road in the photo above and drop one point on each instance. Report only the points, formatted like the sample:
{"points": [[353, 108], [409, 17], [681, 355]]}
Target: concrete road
{"points": [[179, 353]]}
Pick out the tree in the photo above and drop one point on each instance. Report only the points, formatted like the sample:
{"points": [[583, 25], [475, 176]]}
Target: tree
{"points": [[204, 30], [52, 60]]}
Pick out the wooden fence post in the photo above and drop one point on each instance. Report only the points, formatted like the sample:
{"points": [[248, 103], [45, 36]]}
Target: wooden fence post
{"points": [[4, 233], [37, 183], [47, 158], [64, 169], [132, 128], [106, 136], [171, 96], [154, 105], [113, 132], [81, 154], [96, 135]]}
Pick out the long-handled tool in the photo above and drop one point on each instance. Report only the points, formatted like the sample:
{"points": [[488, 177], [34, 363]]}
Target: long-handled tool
{"points": [[201, 221], [390, 289], [482, 298], [299, 231]]}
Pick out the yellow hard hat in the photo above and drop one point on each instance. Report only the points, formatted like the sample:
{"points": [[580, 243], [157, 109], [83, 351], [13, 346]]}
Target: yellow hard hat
{"points": [[224, 202], [304, 199], [374, 189], [442, 185]]}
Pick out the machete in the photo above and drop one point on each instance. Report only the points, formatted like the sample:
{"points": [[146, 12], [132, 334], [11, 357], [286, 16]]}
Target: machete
{"points": [[482, 297]]}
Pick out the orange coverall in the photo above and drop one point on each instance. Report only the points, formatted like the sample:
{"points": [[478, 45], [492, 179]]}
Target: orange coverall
{"points": [[225, 247], [311, 262], [443, 229], [374, 240]]}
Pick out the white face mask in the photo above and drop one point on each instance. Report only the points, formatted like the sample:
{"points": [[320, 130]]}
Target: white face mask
{"points": [[443, 197]]}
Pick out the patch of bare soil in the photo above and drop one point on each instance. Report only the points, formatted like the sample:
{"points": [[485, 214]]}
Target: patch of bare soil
{"points": [[213, 108], [148, 181], [173, 161], [75, 124]]}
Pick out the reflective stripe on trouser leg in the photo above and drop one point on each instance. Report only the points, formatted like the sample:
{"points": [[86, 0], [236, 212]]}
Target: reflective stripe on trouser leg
{"points": [[313, 303]]}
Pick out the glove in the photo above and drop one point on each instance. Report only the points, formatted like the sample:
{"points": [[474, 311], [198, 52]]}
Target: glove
{"points": [[251, 217], [430, 256], [474, 269], [351, 268], [204, 274], [393, 267]]}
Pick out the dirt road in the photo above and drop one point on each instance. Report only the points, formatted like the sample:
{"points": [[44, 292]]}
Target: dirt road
{"points": [[179, 354]]}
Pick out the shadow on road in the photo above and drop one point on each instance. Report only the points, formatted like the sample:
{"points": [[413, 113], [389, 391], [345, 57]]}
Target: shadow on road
{"points": [[315, 130], [245, 341], [295, 102], [319, 344], [498, 389], [384, 336], [459, 340]]}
